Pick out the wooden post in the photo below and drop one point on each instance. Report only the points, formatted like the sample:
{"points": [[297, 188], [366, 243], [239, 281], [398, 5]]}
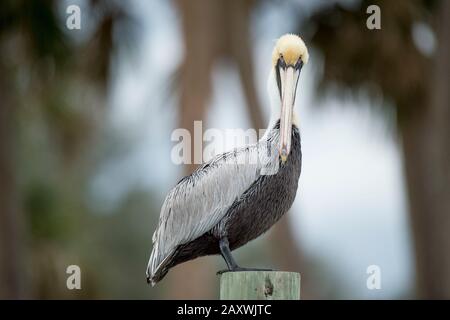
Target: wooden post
{"points": [[260, 285]]}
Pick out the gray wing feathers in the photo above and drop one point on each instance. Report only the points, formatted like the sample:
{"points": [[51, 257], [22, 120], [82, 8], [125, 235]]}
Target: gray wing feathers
{"points": [[201, 200]]}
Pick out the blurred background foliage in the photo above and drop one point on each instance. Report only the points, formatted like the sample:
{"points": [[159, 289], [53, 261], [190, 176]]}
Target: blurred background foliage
{"points": [[54, 109]]}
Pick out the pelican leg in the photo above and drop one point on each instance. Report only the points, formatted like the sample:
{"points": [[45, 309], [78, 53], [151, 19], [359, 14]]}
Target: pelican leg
{"points": [[231, 263], [226, 254]]}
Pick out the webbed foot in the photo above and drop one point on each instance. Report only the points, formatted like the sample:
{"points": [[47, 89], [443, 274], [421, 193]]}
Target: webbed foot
{"points": [[238, 269]]}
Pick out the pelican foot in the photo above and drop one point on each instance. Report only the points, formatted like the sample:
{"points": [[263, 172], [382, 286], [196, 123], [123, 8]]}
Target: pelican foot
{"points": [[238, 269]]}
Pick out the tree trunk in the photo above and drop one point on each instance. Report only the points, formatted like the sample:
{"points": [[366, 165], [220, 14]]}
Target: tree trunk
{"points": [[241, 51], [426, 147], [10, 247], [193, 279]]}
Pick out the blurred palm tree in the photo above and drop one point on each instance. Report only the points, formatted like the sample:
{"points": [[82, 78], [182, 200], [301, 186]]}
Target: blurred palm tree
{"points": [[389, 62], [53, 84]]}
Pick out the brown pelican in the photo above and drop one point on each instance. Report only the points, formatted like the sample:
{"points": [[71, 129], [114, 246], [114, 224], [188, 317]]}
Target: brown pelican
{"points": [[238, 195]]}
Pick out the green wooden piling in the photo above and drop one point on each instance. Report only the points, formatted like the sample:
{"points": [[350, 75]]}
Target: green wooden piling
{"points": [[260, 285]]}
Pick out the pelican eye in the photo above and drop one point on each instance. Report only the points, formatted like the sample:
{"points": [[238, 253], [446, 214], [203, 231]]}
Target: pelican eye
{"points": [[281, 62], [299, 64]]}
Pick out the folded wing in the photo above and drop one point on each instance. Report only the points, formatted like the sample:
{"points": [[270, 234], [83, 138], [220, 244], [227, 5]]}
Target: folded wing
{"points": [[199, 201]]}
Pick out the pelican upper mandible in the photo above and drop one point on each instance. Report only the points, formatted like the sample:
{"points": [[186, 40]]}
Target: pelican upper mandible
{"points": [[238, 195]]}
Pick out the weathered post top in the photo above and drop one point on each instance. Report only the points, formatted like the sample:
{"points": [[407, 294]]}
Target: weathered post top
{"points": [[260, 285]]}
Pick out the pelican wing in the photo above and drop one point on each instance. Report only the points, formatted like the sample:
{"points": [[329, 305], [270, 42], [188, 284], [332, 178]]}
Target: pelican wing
{"points": [[199, 201]]}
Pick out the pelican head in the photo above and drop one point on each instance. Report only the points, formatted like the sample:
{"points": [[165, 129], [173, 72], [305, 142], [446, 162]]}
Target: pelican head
{"points": [[288, 57]]}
